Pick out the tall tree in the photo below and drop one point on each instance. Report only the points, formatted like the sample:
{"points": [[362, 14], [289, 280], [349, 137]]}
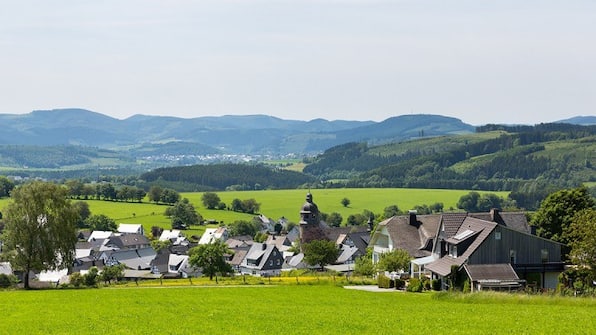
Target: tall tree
{"points": [[582, 236], [320, 252], [210, 258], [101, 222], [210, 200], [557, 211], [40, 228], [183, 214]]}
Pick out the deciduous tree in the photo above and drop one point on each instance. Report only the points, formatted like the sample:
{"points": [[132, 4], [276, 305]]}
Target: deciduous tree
{"points": [[210, 200], [210, 258], [320, 252], [40, 231], [581, 234], [557, 211], [394, 260]]}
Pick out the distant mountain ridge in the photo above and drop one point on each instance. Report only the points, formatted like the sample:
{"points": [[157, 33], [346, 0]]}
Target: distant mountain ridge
{"points": [[247, 134]]}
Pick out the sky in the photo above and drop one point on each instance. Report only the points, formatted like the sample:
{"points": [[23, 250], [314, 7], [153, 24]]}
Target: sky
{"points": [[505, 61]]}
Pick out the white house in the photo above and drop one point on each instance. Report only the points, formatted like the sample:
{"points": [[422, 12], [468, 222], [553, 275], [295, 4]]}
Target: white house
{"points": [[127, 228]]}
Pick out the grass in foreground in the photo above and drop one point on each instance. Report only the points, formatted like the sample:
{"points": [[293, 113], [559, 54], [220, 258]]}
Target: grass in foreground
{"points": [[296, 309]]}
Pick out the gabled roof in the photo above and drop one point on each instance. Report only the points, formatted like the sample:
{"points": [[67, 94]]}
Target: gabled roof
{"points": [[99, 235], [128, 241], [514, 220], [239, 255], [451, 222], [130, 228], [259, 253], [481, 230], [212, 234], [413, 233], [138, 259], [347, 252]]}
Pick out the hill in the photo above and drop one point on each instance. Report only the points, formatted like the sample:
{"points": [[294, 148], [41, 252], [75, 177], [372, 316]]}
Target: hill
{"points": [[523, 159]]}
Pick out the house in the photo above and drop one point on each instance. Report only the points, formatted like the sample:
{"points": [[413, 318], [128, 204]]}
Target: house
{"points": [[412, 233], [212, 234], [479, 242], [128, 241], [281, 242], [262, 260], [135, 259], [99, 235], [175, 236], [5, 268], [127, 228]]}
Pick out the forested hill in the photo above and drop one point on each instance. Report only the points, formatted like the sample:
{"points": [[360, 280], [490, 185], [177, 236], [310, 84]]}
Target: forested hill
{"points": [[226, 176], [523, 159]]}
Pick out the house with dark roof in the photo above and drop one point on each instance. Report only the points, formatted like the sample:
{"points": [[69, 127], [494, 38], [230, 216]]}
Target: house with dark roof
{"points": [[473, 241], [262, 260], [128, 241]]}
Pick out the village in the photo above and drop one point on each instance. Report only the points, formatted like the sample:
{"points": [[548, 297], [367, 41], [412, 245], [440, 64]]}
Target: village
{"points": [[494, 250]]}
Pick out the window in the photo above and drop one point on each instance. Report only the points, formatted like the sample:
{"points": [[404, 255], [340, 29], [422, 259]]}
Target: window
{"points": [[453, 250], [271, 263], [497, 235], [544, 255], [512, 256]]}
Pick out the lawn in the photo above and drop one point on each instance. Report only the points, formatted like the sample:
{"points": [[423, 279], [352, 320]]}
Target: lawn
{"points": [[294, 309]]}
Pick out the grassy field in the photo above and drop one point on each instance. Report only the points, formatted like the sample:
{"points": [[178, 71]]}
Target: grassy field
{"points": [[280, 203], [296, 309]]}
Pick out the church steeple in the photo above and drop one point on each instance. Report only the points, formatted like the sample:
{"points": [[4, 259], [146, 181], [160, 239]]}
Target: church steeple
{"points": [[310, 220]]}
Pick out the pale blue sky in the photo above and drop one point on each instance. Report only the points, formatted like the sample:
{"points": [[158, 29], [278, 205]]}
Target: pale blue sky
{"points": [[505, 61]]}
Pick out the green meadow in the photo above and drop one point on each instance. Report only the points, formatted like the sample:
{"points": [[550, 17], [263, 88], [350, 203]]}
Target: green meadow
{"points": [[281, 203], [287, 309]]}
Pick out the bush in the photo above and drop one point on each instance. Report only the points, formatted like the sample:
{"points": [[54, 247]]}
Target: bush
{"points": [[399, 284], [384, 281], [415, 285], [77, 280], [7, 281], [467, 288], [435, 285]]}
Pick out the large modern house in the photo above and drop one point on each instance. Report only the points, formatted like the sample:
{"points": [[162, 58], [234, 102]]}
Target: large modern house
{"points": [[495, 250]]}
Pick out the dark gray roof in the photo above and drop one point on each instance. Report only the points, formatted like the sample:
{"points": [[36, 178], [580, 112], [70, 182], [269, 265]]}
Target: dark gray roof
{"points": [[481, 231], [129, 240], [515, 220], [491, 272], [452, 222]]}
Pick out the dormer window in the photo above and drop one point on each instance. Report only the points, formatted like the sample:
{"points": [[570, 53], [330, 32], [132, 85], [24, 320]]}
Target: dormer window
{"points": [[453, 250]]}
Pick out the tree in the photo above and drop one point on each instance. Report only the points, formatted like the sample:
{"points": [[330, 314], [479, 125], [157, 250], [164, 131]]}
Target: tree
{"points": [[250, 206], [210, 199], [582, 236], [390, 211], [155, 193], [82, 208], [40, 231], [113, 272], [364, 265], [334, 219], [101, 222], [6, 186], [210, 258], [556, 212], [468, 202], [169, 196], [243, 227], [395, 260], [345, 202], [320, 252], [183, 214]]}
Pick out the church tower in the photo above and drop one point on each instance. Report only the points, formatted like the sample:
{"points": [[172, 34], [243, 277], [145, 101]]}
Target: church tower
{"points": [[310, 220]]}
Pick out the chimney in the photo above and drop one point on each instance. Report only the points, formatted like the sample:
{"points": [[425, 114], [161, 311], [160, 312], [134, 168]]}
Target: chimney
{"points": [[494, 212], [412, 214], [264, 246]]}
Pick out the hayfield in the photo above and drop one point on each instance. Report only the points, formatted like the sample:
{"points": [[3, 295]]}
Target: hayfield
{"points": [[295, 309]]}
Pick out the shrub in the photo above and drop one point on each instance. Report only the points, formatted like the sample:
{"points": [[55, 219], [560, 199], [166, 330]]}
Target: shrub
{"points": [[435, 285], [91, 277], [383, 281], [7, 281], [76, 279], [399, 284], [467, 288], [415, 285]]}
